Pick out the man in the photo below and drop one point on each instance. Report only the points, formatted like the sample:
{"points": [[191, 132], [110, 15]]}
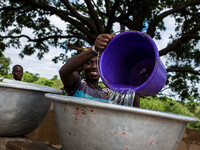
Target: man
{"points": [[89, 88], [17, 72]]}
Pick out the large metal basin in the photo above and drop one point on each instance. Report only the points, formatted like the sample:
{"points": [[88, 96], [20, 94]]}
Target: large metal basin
{"points": [[84, 124], [22, 106]]}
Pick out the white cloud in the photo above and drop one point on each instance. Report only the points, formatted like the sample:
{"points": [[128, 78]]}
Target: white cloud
{"points": [[170, 30], [57, 22]]}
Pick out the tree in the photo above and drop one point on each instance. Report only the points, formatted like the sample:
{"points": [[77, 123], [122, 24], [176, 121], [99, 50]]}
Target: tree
{"points": [[85, 20], [44, 81], [30, 77], [4, 65], [57, 83], [166, 104]]}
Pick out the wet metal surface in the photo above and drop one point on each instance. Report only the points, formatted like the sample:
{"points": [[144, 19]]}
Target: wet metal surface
{"points": [[22, 107], [84, 124]]}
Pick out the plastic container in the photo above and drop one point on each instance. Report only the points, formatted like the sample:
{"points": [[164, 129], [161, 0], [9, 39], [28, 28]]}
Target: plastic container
{"points": [[131, 60]]}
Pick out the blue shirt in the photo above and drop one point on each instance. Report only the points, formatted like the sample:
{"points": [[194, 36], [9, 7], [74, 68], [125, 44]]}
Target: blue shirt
{"points": [[84, 90]]}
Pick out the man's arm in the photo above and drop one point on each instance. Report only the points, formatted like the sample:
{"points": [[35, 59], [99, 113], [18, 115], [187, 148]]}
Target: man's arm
{"points": [[68, 72]]}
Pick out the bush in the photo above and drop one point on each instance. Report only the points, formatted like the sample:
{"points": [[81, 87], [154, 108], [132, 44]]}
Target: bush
{"points": [[44, 81], [166, 104]]}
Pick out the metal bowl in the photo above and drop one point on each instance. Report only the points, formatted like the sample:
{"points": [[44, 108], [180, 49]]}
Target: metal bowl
{"points": [[22, 106], [84, 124]]}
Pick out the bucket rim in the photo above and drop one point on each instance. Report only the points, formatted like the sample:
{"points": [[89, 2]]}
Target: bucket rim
{"points": [[96, 104]]}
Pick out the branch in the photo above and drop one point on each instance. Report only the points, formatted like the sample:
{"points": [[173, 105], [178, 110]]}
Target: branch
{"points": [[94, 16], [62, 14], [41, 39], [192, 14], [124, 16], [152, 25], [21, 9], [101, 14], [107, 4], [181, 7], [81, 36], [112, 15], [12, 8], [80, 49], [80, 17], [183, 69], [185, 37]]}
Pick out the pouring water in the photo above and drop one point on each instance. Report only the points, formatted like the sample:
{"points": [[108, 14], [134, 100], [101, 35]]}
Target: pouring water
{"points": [[122, 98]]}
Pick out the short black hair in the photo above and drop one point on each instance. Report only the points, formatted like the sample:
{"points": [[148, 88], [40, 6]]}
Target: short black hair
{"points": [[15, 66]]}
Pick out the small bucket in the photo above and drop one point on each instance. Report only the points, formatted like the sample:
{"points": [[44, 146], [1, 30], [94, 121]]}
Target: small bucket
{"points": [[131, 61]]}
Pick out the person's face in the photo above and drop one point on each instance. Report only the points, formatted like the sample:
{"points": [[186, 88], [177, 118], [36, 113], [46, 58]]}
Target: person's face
{"points": [[18, 73], [91, 70]]}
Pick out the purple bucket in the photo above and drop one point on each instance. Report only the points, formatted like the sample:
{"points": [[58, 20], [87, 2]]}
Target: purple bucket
{"points": [[131, 61]]}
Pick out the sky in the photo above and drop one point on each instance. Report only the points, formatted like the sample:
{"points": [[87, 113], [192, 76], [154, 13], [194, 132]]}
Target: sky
{"points": [[47, 68], [44, 67]]}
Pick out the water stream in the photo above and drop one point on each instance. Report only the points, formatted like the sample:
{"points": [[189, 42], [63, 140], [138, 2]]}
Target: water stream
{"points": [[121, 97]]}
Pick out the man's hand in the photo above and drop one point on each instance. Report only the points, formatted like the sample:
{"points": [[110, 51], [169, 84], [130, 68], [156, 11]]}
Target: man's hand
{"points": [[102, 41]]}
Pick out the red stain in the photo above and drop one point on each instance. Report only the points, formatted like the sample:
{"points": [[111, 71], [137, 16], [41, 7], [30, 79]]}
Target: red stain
{"points": [[115, 133], [124, 133], [91, 110], [76, 120], [74, 134], [64, 109], [125, 148], [76, 116], [151, 142], [94, 113], [83, 112], [70, 133]]}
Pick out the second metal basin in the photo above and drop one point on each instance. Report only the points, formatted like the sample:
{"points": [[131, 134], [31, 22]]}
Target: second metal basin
{"points": [[84, 124], [22, 107]]}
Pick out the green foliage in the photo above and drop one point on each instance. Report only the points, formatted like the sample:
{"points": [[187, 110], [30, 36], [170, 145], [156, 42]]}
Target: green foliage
{"points": [[44, 81], [4, 65], [34, 78], [9, 76], [30, 77], [57, 83], [166, 104]]}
